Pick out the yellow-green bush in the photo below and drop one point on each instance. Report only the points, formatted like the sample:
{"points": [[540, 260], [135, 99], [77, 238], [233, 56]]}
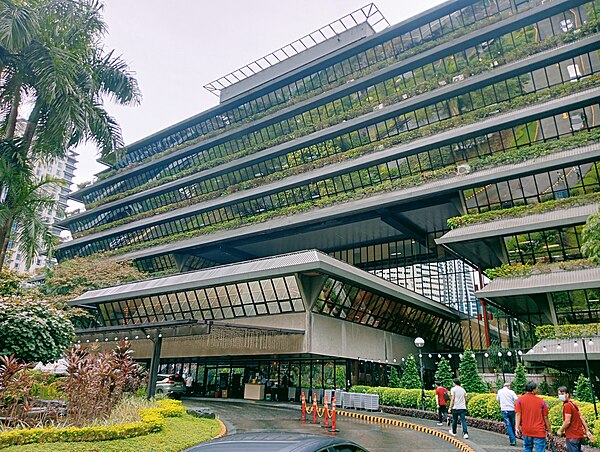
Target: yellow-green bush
{"points": [[152, 420], [170, 407]]}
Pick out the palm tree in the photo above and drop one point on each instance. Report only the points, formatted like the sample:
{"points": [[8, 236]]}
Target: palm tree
{"points": [[52, 64], [20, 212]]}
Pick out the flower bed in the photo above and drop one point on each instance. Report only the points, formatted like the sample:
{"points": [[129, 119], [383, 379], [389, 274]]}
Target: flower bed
{"points": [[152, 420]]}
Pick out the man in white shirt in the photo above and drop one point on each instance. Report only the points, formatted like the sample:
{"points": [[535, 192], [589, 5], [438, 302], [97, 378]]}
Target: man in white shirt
{"points": [[458, 407], [507, 398]]}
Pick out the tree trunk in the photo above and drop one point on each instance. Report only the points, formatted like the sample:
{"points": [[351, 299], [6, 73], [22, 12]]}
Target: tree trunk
{"points": [[5, 238], [32, 122], [11, 121]]}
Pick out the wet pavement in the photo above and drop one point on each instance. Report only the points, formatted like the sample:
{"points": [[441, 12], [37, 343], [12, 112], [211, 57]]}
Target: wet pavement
{"points": [[242, 416]]}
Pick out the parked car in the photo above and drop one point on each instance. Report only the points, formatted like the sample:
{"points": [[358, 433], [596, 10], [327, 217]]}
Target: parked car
{"points": [[577, 122], [574, 72], [172, 385], [278, 442], [566, 25]]}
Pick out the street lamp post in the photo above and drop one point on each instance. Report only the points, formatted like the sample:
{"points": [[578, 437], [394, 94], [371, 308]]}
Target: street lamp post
{"points": [[419, 343], [589, 374]]}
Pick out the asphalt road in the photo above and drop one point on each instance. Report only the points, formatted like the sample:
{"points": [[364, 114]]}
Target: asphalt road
{"points": [[245, 416]]}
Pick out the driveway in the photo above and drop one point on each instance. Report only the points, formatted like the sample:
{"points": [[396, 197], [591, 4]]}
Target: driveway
{"points": [[246, 416]]}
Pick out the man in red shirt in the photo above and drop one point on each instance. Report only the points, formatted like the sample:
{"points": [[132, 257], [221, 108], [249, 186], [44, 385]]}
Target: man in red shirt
{"points": [[532, 419], [441, 394], [574, 426]]}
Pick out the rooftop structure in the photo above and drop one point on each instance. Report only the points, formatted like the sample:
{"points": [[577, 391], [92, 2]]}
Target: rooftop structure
{"points": [[364, 149]]}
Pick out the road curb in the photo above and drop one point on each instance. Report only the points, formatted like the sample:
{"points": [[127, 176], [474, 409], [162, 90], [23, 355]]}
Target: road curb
{"points": [[431, 431], [223, 431]]}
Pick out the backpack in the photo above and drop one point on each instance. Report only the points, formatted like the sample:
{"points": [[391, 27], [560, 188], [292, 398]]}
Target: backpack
{"points": [[446, 396]]}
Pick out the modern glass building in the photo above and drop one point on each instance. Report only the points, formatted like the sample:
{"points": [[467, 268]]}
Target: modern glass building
{"points": [[358, 142]]}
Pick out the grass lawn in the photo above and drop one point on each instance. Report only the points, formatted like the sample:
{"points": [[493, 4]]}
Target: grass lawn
{"points": [[178, 434]]}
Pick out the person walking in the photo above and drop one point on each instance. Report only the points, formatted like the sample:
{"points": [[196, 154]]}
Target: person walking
{"points": [[442, 398], [574, 426], [507, 398], [189, 383], [458, 407], [532, 419]]}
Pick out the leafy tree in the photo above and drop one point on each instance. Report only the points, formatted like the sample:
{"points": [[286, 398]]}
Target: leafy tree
{"points": [[591, 238], [583, 389], [410, 378], [63, 75], [469, 377], [518, 384], [443, 373], [394, 378], [72, 277], [10, 282], [543, 388], [33, 330]]}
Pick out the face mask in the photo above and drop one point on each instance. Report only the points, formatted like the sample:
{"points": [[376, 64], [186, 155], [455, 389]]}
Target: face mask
{"points": [[562, 397]]}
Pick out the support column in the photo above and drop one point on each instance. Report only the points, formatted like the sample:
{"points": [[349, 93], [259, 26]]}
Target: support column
{"points": [[152, 378]]}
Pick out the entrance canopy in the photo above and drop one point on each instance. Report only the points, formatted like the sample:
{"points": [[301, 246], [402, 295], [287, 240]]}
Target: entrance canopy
{"points": [[279, 293]]}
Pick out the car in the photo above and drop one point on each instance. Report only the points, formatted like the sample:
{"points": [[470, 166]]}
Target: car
{"points": [[574, 72], [577, 122], [566, 25], [278, 442], [172, 385]]}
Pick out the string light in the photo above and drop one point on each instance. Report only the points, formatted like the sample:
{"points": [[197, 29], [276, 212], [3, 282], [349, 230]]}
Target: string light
{"points": [[544, 349], [394, 359], [137, 337], [449, 355], [499, 354], [439, 355], [105, 339], [520, 353], [591, 342], [486, 354], [472, 355], [509, 353], [575, 344], [460, 355], [429, 355], [558, 347]]}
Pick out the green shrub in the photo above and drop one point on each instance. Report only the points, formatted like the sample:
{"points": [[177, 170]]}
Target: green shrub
{"points": [[477, 406], [153, 420], [360, 389]]}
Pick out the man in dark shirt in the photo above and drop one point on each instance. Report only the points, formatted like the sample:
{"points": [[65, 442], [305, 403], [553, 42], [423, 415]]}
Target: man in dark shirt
{"points": [[574, 426], [532, 419]]}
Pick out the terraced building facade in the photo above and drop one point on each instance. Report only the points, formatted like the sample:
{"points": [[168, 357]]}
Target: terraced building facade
{"points": [[362, 141]]}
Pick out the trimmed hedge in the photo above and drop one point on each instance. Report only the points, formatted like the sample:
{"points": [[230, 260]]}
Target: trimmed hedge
{"points": [[153, 420]]}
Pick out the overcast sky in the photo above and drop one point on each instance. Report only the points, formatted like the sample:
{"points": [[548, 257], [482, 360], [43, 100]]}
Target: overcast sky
{"points": [[178, 46]]}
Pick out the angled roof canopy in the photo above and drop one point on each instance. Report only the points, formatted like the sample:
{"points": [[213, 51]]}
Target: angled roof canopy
{"points": [[482, 243]]}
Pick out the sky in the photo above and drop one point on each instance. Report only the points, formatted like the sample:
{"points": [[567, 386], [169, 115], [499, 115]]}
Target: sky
{"points": [[176, 47]]}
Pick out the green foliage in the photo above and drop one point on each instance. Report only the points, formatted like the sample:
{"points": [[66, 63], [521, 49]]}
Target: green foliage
{"points": [[410, 378], [360, 389], [591, 238], [567, 331], [524, 270], [443, 373], [484, 406], [10, 282], [583, 389], [71, 278], [543, 388], [518, 384], [152, 420], [394, 378], [469, 376], [33, 330], [509, 271]]}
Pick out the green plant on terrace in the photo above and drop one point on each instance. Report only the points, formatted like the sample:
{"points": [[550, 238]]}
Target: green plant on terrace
{"points": [[508, 157], [513, 48], [526, 151]]}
